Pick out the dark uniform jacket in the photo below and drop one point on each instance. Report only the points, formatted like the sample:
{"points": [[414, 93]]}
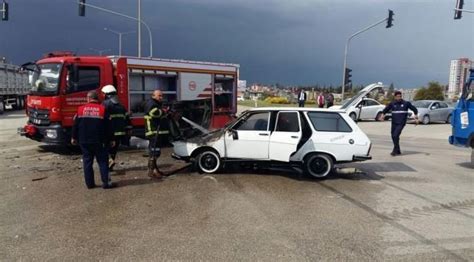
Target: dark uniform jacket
{"points": [[155, 117], [92, 125], [400, 111], [119, 117]]}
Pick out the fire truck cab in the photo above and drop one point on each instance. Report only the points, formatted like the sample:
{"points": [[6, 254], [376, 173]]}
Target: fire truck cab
{"points": [[61, 82]]}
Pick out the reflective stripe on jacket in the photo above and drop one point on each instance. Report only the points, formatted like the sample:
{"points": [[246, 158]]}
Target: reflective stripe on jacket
{"points": [[155, 118]]}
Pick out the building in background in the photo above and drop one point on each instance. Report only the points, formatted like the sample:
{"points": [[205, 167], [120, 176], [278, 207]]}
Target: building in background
{"points": [[457, 75]]}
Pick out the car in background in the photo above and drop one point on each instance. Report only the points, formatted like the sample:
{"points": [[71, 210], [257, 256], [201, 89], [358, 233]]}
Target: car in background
{"points": [[310, 138], [430, 111], [361, 106]]}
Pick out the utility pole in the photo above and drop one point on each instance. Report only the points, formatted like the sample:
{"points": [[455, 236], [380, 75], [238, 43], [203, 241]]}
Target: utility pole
{"points": [[140, 29]]}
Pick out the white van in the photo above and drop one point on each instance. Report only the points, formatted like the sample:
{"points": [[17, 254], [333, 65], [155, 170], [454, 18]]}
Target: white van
{"points": [[314, 139]]}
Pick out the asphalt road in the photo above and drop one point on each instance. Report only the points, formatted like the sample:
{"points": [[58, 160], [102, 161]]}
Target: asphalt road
{"points": [[418, 206]]}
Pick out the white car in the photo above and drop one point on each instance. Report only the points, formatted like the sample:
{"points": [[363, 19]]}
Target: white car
{"points": [[314, 139], [360, 107]]}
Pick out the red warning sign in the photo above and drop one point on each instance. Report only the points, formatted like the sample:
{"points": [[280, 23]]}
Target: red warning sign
{"points": [[192, 85]]}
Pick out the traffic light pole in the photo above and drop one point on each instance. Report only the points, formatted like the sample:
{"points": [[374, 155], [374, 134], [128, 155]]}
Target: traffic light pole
{"points": [[347, 47], [129, 17]]}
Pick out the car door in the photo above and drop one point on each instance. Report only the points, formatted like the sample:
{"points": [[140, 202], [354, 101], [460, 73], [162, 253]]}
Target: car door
{"points": [[249, 138], [435, 112], [369, 109], [444, 111], [286, 135]]}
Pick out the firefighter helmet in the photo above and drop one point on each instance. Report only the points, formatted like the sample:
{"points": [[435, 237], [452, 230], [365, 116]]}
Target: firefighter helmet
{"points": [[109, 89]]}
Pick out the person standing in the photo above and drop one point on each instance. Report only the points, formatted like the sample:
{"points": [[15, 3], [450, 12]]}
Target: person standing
{"points": [[301, 98], [92, 131], [320, 100], [399, 108], [156, 125], [120, 121], [329, 100]]}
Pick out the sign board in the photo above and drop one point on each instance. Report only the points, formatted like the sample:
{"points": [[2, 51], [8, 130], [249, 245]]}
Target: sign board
{"points": [[195, 86]]}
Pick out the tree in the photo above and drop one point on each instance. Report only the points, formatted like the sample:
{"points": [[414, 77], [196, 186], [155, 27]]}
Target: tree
{"points": [[434, 91]]}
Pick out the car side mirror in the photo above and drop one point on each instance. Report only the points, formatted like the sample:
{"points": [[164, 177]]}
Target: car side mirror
{"points": [[433, 108], [72, 77], [234, 133]]}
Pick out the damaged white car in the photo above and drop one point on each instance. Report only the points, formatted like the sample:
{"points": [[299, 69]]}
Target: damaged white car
{"points": [[313, 139]]}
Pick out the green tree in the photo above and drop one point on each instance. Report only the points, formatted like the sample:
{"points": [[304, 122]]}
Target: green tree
{"points": [[434, 91]]}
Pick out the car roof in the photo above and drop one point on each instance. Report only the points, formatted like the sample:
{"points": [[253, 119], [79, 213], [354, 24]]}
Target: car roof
{"points": [[429, 101], [299, 109]]}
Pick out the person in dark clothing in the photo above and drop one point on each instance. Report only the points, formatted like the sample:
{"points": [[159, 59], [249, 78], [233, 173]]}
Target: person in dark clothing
{"points": [[399, 108], [301, 98], [120, 121], [92, 131], [156, 130], [329, 100]]}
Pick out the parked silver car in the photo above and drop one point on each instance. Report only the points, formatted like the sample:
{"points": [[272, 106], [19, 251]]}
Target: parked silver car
{"points": [[433, 111]]}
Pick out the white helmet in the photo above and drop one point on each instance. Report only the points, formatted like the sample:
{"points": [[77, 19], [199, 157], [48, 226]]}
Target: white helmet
{"points": [[109, 89]]}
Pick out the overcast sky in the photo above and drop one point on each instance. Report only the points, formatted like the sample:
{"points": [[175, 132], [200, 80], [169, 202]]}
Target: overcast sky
{"points": [[284, 41]]}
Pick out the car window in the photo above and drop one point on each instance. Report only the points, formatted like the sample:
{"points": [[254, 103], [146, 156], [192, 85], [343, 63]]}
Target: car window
{"points": [[443, 105], [329, 122], [435, 106], [257, 121], [287, 122], [89, 79], [371, 103]]}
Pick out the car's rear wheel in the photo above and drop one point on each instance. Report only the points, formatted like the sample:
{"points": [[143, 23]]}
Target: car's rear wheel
{"points": [[426, 120], [448, 121], [353, 116], [208, 161], [318, 165], [377, 118]]}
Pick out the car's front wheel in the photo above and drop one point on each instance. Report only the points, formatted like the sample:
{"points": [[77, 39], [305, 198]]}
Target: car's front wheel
{"points": [[318, 165], [426, 120], [448, 121], [208, 161]]}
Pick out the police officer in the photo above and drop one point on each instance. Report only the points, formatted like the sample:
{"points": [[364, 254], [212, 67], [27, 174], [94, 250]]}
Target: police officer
{"points": [[399, 108], [120, 121], [156, 129], [92, 131]]}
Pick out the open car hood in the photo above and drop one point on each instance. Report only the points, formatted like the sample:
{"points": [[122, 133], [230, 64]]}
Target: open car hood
{"points": [[196, 112], [371, 91]]}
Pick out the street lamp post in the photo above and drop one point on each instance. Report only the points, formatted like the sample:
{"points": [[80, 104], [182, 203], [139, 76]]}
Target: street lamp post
{"points": [[389, 24], [120, 37]]}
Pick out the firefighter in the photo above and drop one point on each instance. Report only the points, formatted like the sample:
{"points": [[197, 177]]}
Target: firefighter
{"points": [[120, 121], [156, 130], [399, 108], [92, 131]]}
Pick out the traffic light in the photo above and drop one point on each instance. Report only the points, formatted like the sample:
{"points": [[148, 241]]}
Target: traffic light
{"points": [[348, 81], [458, 13], [4, 11], [390, 19], [82, 8]]}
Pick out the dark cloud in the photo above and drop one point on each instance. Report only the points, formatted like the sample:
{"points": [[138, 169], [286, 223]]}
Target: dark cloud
{"points": [[291, 42]]}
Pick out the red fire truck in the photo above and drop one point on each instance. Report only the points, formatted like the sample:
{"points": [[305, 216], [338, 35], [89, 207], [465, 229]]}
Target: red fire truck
{"points": [[62, 80]]}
